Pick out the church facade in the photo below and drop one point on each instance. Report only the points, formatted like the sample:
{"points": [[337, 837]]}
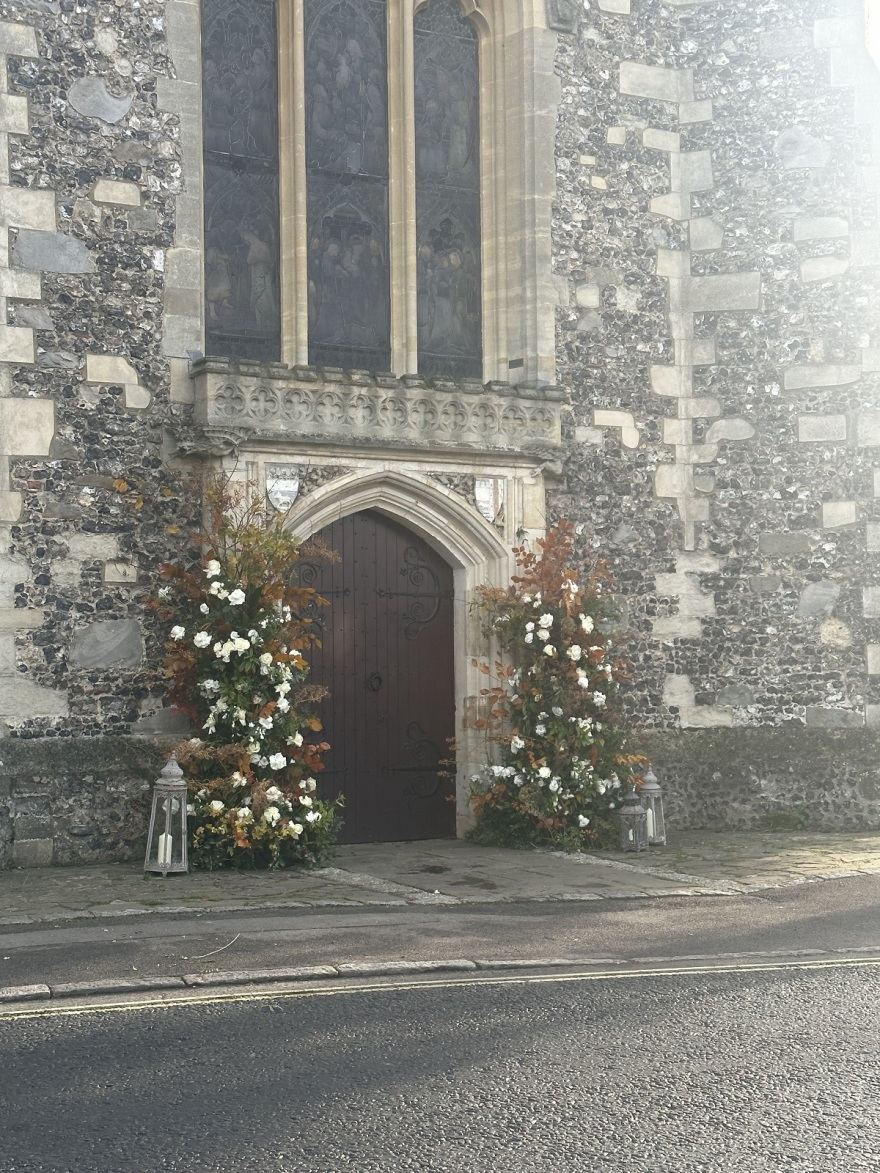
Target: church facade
{"points": [[432, 274]]}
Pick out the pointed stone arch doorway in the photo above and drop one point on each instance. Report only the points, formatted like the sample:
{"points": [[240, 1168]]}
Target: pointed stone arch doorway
{"points": [[386, 655], [461, 547]]}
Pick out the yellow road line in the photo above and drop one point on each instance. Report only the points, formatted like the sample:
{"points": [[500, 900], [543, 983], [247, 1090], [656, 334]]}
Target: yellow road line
{"points": [[55, 1009]]}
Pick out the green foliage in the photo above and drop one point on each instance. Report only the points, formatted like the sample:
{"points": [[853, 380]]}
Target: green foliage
{"points": [[553, 710], [235, 665]]}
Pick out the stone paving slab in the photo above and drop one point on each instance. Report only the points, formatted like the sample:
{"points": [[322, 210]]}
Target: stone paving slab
{"points": [[438, 872]]}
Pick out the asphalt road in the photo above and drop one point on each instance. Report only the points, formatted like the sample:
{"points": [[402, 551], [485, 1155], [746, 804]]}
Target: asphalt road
{"points": [[772, 1070], [837, 915]]}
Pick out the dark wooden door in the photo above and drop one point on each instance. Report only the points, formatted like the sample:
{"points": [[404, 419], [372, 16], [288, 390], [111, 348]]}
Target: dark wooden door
{"points": [[387, 659]]}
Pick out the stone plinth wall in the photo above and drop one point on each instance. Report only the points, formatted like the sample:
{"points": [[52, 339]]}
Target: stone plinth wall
{"points": [[788, 778], [75, 800]]}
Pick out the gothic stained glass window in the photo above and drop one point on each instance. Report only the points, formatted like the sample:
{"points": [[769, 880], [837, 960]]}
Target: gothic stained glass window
{"points": [[347, 183], [240, 123], [447, 192]]}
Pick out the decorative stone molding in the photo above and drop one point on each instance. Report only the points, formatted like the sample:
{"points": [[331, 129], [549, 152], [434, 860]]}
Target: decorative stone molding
{"points": [[562, 15], [354, 408]]}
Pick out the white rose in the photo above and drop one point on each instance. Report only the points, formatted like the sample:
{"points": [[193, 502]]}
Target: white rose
{"points": [[542, 634], [310, 784], [296, 740], [583, 821], [545, 621], [204, 608], [575, 652], [305, 800], [556, 711], [583, 680], [266, 722], [237, 597], [530, 627], [587, 623], [554, 785], [313, 817], [544, 772], [201, 639], [274, 794], [212, 569], [217, 806], [528, 637], [599, 699], [516, 744], [244, 812], [177, 632], [283, 705], [266, 657], [277, 761], [549, 650], [271, 815], [540, 730], [296, 828]]}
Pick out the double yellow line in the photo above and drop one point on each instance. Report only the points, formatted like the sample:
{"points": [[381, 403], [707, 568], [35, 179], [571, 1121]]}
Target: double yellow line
{"points": [[269, 993]]}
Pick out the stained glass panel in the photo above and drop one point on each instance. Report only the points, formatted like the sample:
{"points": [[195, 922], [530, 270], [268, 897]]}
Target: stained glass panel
{"points": [[240, 126], [347, 181], [448, 191]]}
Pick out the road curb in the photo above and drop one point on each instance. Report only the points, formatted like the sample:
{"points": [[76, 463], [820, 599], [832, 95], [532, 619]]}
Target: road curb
{"points": [[60, 991]]}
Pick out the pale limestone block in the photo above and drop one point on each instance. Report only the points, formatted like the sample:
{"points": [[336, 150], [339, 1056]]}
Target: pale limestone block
{"points": [[598, 182], [877, 482], [826, 375], [21, 618], [628, 300], [10, 506], [177, 96], [22, 698], [679, 693], [674, 263], [834, 32], [723, 291], [699, 111], [839, 514], [699, 407], [706, 234], [534, 515], [182, 335], [181, 384], [585, 435], [865, 249], [22, 207], [692, 171], [674, 480], [661, 140], [872, 655], [183, 267], [615, 136], [18, 40], [111, 369], [66, 572], [605, 418], [820, 228], [672, 382], [16, 344], [14, 114], [674, 205], [835, 634], [7, 654], [870, 359], [120, 573], [872, 715], [588, 296], [677, 431], [868, 429], [618, 7], [656, 81], [86, 547], [14, 571], [115, 191], [872, 538], [730, 428], [26, 426], [871, 602], [137, 398], [22, 286], [587, 160], [823, 268], [821, 429], [671, 627]]}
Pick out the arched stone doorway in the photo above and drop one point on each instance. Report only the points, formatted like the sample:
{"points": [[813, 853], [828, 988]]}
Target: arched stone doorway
{"points": [[386, 655], [475, 552]]}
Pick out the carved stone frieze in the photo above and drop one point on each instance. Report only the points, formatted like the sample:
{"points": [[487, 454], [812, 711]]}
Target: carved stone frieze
{"points": [[335, 407]]}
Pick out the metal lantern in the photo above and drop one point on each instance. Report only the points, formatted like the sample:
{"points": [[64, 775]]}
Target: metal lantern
{"points": [[652, 800], [633, 824], [166, 839]]}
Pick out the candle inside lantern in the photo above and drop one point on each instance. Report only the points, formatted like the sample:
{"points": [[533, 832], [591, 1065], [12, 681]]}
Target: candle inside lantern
{"points": [[650, 823], [164, 849]]}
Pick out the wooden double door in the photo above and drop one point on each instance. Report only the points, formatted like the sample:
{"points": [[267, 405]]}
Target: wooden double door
{"points": [[386, 657]]}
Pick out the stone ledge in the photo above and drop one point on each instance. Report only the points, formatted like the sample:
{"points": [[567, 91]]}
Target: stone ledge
{"points": [[336, 407]]}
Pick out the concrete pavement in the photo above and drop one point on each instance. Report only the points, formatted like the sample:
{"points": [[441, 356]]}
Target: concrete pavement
{"points": [[447, 872]]}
